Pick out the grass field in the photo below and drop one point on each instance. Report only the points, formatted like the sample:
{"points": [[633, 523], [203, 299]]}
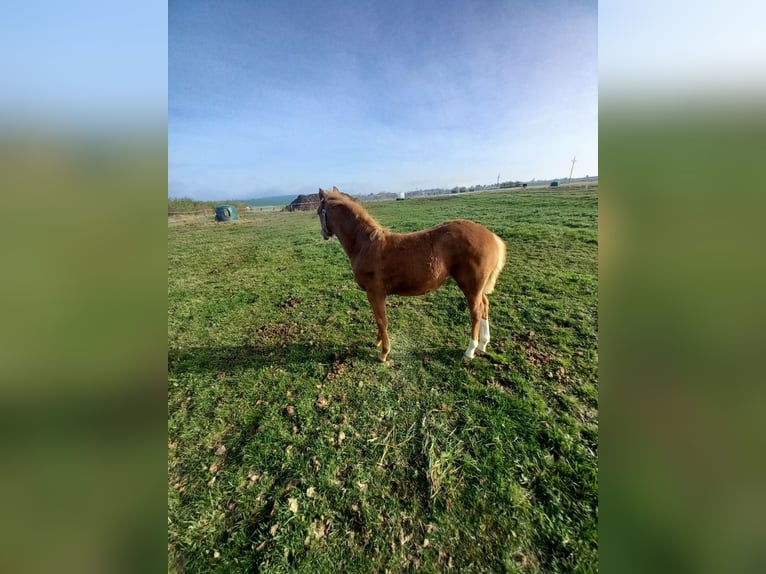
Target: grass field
{"points": [[291, 448]]}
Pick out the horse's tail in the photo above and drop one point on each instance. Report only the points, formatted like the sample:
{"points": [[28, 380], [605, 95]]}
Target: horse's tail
{"points": [[490, 286]]}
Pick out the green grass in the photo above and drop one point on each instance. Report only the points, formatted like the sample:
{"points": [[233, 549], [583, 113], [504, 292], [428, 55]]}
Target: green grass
{"points": [[335, 462]]}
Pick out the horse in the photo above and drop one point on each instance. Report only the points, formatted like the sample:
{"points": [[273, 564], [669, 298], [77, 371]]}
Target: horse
{"points": [[387, 263]]}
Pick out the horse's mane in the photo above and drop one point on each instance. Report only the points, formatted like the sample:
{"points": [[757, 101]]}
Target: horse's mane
{"points": [[373, 228]]}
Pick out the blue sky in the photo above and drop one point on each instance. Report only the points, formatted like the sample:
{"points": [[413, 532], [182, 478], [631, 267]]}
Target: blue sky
{"points": [[697, 50], [272, 98], [81, 63]]}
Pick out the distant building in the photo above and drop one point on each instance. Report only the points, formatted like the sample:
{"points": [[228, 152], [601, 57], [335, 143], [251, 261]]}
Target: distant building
{"points": [[304, 203]]}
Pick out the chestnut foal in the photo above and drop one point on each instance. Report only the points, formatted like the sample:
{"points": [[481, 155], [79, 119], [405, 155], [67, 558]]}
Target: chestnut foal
{"points": [[387, 263]]}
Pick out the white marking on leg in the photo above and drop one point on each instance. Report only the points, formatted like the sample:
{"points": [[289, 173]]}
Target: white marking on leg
{"points": [[472, 345], [483, 334]]}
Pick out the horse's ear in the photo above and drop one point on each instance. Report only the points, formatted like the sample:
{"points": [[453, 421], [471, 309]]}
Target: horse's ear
{"points": [[322, 194], [335, 189]]}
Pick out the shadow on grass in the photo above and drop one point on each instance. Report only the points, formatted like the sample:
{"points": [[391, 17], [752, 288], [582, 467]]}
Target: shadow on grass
{"points": [[225, 359]]}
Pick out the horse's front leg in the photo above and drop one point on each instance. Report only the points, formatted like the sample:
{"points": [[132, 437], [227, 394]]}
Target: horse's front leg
{"points": [[378, 303]]}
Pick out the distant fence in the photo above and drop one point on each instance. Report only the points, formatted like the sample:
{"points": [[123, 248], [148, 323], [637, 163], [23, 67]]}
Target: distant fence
{"points": [[211, 211]]}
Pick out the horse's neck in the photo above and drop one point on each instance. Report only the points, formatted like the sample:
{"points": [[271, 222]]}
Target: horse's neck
{"points": [[354, 238]]}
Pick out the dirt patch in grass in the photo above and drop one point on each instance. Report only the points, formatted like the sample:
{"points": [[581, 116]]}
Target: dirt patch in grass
{"points": [[281, 333]]}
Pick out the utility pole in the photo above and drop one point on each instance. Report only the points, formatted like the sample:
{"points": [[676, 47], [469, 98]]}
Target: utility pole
{"points": [[498, 180], [574, 159]]}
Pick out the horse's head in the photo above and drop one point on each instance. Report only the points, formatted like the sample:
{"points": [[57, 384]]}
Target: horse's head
{"points": [[324, 211]]}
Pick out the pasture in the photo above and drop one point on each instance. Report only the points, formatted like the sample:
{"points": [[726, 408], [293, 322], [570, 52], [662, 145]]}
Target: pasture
{"points": [[292, 448]]}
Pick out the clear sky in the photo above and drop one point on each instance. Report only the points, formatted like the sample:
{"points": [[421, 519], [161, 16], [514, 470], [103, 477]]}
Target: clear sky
{"points": [[83, 63], [283, 97], [693, 50]]}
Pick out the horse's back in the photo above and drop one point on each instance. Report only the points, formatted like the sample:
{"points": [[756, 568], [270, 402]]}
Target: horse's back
{"points": [[463, 237], [417, 263]]}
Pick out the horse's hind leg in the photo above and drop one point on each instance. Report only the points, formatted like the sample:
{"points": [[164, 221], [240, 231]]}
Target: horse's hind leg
{"points": [[378, 304], [476, 308], [484, 324]]}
